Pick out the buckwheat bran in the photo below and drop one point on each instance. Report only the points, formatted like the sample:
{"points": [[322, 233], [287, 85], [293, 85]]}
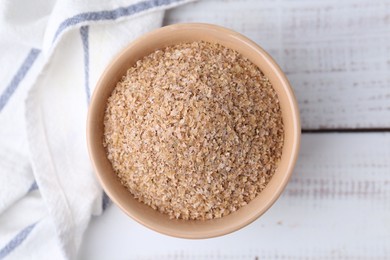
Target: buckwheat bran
{"points": [[194, 130]]}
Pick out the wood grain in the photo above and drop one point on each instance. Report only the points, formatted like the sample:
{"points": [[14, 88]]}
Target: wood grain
{"points": [[337, 206], [335, 53]]}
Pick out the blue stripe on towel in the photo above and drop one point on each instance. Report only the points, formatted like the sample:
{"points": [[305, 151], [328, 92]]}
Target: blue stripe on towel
{"points": [[106, 201], [16, 241], [34, 186], [84, 32], [20, 74], [111, 14]]}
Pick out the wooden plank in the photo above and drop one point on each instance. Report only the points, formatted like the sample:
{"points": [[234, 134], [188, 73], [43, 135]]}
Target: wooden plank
{"points": [[335, 53], [337, 205]]}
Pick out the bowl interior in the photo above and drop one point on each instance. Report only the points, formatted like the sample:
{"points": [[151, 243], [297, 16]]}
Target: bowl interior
{"points": [[144, 214]]}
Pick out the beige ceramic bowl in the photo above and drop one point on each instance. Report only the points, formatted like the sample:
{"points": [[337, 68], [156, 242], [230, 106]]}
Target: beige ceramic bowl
{"points": [[144, 214]]}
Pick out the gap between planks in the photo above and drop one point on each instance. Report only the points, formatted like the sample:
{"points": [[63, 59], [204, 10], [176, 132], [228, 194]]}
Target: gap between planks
{"points": [[346, 130]]}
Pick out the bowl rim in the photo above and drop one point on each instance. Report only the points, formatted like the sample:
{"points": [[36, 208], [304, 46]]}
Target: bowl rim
{"points": [[296, 132]]}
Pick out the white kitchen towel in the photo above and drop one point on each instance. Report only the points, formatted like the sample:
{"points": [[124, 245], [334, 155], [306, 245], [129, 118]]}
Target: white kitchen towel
{"points": [[52, 53]]}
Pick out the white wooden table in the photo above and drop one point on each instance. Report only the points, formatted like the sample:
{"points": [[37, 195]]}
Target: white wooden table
{"points": [[337, 205]]}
